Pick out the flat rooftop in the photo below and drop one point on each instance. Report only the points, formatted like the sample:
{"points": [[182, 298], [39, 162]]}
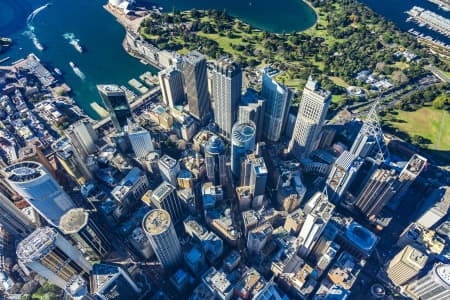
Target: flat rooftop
{"points": [[156, 221], [37, 244], [73, 220]]}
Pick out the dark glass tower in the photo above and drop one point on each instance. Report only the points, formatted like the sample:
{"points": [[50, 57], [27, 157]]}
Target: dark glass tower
{"points": [[117, 105]]}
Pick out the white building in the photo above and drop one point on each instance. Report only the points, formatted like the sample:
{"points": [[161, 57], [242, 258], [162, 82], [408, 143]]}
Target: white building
{"points": [[310, 118], [35, 184], [169, 168], [140, 140], [83, 137]]}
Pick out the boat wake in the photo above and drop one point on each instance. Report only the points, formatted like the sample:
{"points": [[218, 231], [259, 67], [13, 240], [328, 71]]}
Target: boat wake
{"points": [[30, 28]]}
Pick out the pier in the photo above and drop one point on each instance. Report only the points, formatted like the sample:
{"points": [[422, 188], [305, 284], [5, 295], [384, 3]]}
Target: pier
{"points": [[432, 20]]}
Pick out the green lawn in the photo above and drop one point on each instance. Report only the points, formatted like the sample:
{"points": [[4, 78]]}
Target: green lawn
{"points": [[430, 123]]}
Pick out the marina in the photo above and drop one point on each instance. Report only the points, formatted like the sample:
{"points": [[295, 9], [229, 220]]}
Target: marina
{"points": [[443, 4], [430, 19]]}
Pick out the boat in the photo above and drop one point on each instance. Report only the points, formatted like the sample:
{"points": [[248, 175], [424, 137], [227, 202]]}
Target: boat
{"points": [[69, 36], [37, 44], [4, 59], [77, 71], [57, 71]]}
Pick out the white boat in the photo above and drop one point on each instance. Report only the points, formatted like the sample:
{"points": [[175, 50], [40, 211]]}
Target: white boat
{"points": [[69, 36], [77, 71], [57, 71]]}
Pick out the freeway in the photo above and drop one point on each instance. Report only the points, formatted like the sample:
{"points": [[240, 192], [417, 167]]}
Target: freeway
{"points": [[141, 100]]}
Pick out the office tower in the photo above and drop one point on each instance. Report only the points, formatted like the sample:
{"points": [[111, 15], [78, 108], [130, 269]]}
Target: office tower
{"points": [[406, 265], [140, 140], [33, 182], [278, 100], [169, 168], [370, 140], [12, 219], [311, 115], [215, 160], [83, 137], [165, 197], [377, 192], [71, 161], [32, 152], [110, 281], [78, 226], [251, 108], [226, 94], [158, 226], [342, 174], [242, 143], [435, 208], [258, 237], [196, 86], [117, 105], [49, 254], [140, 243], [409, 173], [433, 286], [171, 82], [315, 222]]}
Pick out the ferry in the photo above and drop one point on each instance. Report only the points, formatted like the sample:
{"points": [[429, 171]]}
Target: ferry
{"points": [[37, 44], [77, 71], [73, 41], [57, 71]]}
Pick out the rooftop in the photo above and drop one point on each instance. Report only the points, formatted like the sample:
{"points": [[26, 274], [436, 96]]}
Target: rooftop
{"points": [[162, 191], [168, 161], [24, 171], [73, 220], [243, 132], [156, 221], [110, 89], [37, 244], [361, 236]]}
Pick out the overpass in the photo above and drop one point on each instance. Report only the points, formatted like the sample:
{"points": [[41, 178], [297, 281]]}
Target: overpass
{"points": [[135, 104]]}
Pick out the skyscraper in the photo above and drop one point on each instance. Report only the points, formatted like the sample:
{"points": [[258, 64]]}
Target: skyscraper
{"points": [[158, 226], [315, 222], [215, 160], [169, 168], [406, 265], [171, 82], [12, 219], [226, 93], [110, 281], [311, 115], [117, 105], [342, 174], [77, 225], [409, 173], [252, 108], [242, 143], [49, 254], [433, 286], [435, 208], [196, 86], [83, 137], [377, 192], [165, 197], [31, 152], [33, 182], [278, 100], [140, 140]]}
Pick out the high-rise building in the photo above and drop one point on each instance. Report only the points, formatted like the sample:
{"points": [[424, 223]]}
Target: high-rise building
{"points": [[158, 226], [49, 254], [32, 152], [140, 140], [196, 86], [242, 143], [433, 286], [435, 208], [110, 281], [169, 168], [226, 94], [409, 173], [117, 105], [215, 160], [278, 100], [165, 197], [252, 108], [310, 118], [33, 182], [78, 226], [377, 192], [315, 222], [342, 174], [12, 219], [72, 161], [406, 265], [171, 82], [83, 137]]}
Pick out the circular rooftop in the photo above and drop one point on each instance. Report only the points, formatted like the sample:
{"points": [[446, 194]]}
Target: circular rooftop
{"points": [[156, 221], [24, 171], [215, 146], [443, 273], [243, 132], [73, 220]]}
